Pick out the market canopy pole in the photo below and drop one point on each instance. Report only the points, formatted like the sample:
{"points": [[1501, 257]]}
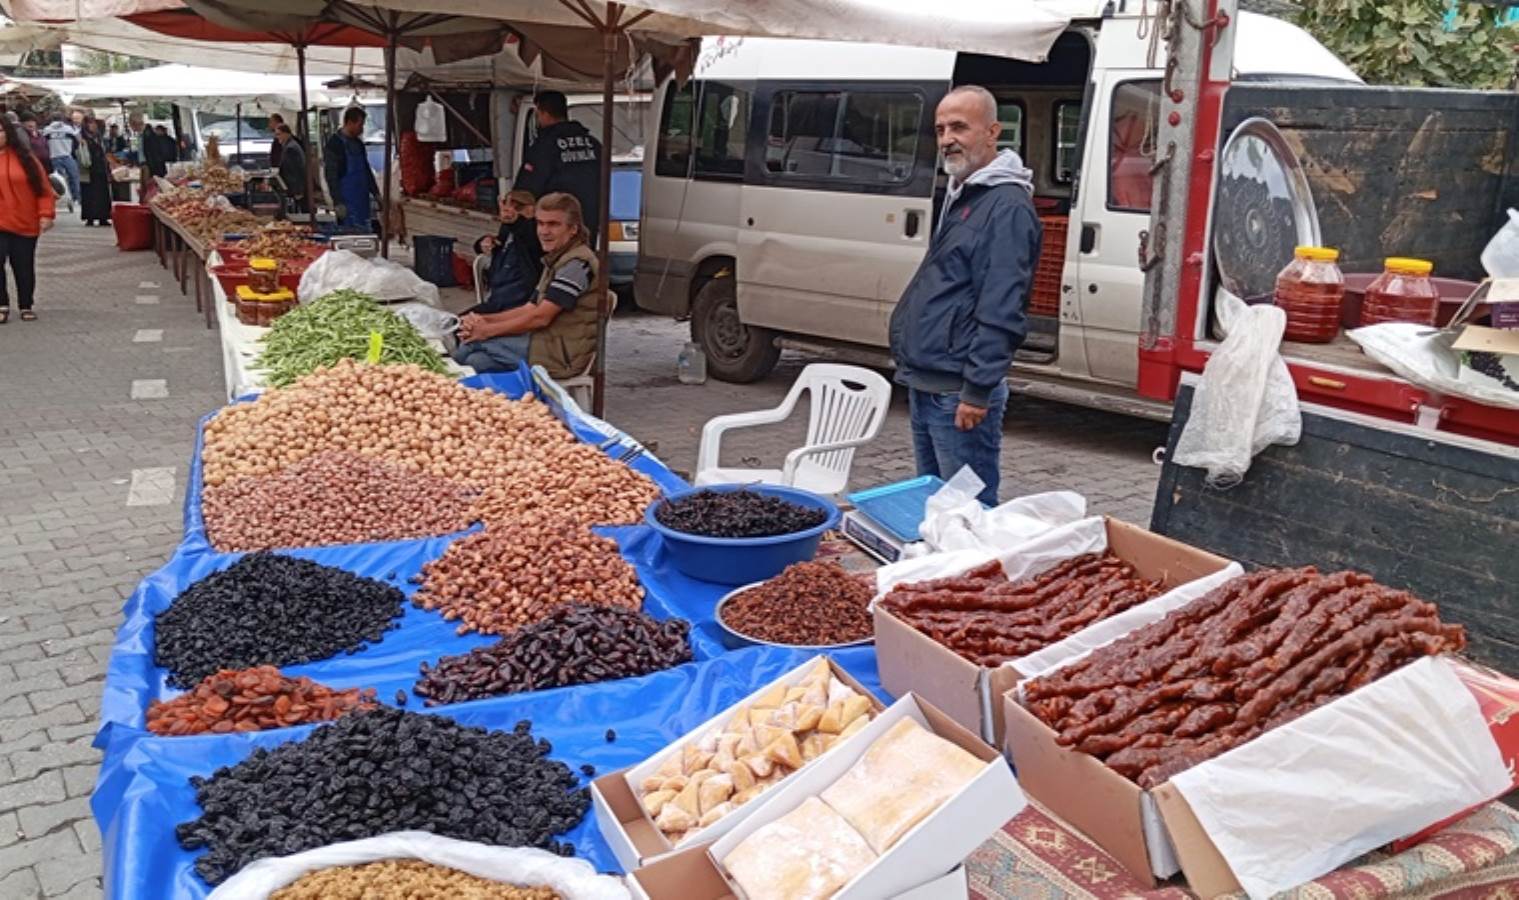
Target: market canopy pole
{"points": [[390, 128], [300, 63]]}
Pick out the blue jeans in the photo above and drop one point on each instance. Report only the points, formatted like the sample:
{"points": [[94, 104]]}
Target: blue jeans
{"points": [[942, 449], [68, 167], [498, 354]]}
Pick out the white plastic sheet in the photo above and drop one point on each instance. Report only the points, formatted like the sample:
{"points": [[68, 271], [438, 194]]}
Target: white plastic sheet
{"points": [[431, 122], [381, 279], [1402, 753], [1245, 401], [955, 520], [1025, 521], [572, 879], [1424, 356]]}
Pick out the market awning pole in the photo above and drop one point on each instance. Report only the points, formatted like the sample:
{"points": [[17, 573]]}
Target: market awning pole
{"points": [[237, 131], [603, 255], [390, 127], [300, 66]]}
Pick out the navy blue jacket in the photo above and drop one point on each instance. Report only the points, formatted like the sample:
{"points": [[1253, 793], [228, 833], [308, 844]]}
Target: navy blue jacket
{"points": [[962, 316], [516, 263]]}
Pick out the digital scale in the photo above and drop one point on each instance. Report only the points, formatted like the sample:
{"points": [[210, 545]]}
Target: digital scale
{"points": [[886, 519]]}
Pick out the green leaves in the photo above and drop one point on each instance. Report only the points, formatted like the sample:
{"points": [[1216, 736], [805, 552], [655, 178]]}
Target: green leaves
{"points": [[1424, 43]]}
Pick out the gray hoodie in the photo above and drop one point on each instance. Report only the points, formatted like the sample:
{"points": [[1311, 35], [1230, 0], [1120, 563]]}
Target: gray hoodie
{"points": [[60, 139], [1005, 168]]}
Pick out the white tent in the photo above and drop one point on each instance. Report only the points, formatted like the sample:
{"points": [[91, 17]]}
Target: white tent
{"points": [[216, 90], [120, 36]]}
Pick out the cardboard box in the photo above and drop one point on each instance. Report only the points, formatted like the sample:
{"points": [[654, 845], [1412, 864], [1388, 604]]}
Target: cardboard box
{"points": [[1500, 349], [971, 694], [1361, 751], [675, 873], [627, 827], [939, 843]]}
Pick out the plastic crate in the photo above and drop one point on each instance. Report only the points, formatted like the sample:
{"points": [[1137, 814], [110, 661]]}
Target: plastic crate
{"points": [[1044, 298], [434, 259]]}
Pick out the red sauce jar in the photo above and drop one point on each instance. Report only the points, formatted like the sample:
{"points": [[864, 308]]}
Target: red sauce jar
{"points": [[1310, 291], [1402, 293]]}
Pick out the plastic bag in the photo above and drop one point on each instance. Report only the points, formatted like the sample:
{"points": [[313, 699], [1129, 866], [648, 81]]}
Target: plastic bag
{"points": [[381, 279], [430, 321], [1425, 357], [432, 122], [572, 879], [953, 519], [1245, 401]]}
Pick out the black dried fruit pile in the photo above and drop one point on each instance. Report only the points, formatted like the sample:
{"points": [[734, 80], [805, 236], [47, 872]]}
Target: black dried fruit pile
{"points": [[380, 771], [736, 514], [270, 610], [574, 644]]}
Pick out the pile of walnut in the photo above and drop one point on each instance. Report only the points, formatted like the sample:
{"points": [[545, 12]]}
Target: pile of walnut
{"points": [[989, 620], [1255, 653], [522, 461], [762, 743]]}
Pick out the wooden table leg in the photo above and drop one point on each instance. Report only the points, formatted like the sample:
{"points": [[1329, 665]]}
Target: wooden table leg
{"points": [[160, 236], [205, 279], [194, 261]]}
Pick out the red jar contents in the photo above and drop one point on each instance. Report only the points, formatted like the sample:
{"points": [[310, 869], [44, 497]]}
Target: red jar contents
{"points": [[1402, 293], [1309, 290]]}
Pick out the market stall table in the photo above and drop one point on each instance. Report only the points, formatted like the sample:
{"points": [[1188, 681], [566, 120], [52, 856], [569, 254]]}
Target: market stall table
{"points": [[185, 255]]}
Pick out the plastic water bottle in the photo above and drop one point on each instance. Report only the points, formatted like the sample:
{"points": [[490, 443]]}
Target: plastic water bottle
{"points": [[691, 365]]}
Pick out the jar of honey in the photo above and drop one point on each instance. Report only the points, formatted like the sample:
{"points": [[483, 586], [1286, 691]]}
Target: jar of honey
{"points": [[273, 305], [263, 275], [247, 305], [1402, 293], [1309, 290]]}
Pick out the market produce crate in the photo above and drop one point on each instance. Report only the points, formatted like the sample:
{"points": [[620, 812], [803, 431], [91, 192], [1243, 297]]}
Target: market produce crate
{"points": [[911, 661], [232, 275], [910, 864], [1044, 296]]}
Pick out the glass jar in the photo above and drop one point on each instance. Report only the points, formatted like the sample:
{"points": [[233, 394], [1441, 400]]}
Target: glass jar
{"points": [[1402, 293], [1310, 290], [263, 275]]}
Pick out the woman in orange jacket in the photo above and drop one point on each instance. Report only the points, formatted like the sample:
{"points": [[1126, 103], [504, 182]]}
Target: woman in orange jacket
{"points": [[26, 210]]}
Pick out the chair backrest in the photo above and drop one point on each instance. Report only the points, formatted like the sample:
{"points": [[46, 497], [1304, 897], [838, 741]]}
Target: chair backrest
{"points": [[481, 263], [847, 403]]}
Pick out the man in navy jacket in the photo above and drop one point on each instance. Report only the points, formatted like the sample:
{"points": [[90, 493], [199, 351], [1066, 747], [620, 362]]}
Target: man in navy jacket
{"points": [[961, 319]]}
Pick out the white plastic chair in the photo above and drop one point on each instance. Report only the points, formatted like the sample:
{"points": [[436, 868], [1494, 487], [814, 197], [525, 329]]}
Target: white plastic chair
{"points": [[848, 405], [481, 263]]}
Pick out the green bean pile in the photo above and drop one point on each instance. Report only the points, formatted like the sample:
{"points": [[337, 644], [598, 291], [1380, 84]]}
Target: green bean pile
{"points": [[337, 326]]}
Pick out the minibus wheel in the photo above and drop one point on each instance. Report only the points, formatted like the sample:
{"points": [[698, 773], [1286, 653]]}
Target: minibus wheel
{"points": [[735, 352]]}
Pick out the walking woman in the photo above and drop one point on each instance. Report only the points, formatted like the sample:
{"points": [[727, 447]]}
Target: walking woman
{"points": [[94, 176], [26, 210]]}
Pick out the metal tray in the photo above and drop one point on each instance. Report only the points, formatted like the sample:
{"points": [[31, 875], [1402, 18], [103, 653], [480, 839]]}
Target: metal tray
{"points": [[735, 640]]}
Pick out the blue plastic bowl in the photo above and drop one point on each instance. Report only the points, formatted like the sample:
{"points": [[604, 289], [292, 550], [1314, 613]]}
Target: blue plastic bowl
{"points": [[743, 560]]}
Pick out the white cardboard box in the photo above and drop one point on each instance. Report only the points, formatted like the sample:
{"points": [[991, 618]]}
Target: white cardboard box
{"points": [[954, 885], [627, 827], [939, 843]]}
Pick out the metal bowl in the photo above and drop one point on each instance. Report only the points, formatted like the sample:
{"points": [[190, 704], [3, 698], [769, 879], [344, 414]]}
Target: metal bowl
{"points": [[735, 640]]}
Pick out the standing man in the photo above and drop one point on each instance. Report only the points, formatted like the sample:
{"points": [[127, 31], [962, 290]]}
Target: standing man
{"points": [[115, 144], [276, 149], [350, 181], [292, 166], [157, 150], [564, 158], [961, 319], [34, 136], [62, 139]]}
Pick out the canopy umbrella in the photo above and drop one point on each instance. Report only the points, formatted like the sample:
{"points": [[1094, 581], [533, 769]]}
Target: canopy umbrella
{"points": [[216, 89]]}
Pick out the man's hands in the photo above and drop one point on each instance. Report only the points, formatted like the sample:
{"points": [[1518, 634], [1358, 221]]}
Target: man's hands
{"points": [[45, 224], [468, 323], [968, 417]]}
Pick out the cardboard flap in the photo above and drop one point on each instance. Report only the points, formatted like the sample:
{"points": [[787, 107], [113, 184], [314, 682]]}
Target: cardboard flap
{"points": [[1207, 872], [1488, 340]]}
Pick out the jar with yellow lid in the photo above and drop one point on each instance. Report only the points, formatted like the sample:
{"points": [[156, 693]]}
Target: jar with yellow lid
{"points": [[264, 274], [261, 309], [1310, 290], [1403, 292]]}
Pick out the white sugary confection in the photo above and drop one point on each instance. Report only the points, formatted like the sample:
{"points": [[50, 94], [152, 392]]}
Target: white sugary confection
{"points": [[904, 776], [807, 854]]}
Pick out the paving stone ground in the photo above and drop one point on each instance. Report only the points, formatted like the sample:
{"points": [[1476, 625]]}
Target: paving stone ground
{"points": [[98, 405]]}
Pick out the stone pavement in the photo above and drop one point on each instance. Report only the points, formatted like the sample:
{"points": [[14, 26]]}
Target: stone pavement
{"points": [[98, 405]]}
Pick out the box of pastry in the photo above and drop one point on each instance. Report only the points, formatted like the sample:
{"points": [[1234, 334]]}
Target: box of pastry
{"points": [[1260, 736], [961, 639], [899, 805], [710, 779]]}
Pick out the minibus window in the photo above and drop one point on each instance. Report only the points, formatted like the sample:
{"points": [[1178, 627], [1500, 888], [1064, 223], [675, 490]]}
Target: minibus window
{"points": [[674, 159], [722, 129], [865, 136], [1067, 153], [1131, 145]]}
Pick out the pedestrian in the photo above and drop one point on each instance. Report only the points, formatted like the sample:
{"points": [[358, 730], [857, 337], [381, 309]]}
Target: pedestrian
{"points": [[34, 134], [563, 158], [62, 140], [115, 142], [94, 177], [961, 318], [350, 180], [292, 166], [167, 145], [155, 151], [27, 209], [186, 149], [276, 149]]}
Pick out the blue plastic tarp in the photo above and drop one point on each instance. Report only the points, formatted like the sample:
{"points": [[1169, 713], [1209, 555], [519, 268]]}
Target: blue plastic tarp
{"points": [[144, 791]]}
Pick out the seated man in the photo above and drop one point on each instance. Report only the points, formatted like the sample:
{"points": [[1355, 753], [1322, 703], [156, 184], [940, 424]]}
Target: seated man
{"points": [[516, 258], [557, 328]]}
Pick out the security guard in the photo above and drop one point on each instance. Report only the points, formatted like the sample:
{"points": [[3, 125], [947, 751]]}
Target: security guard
{"points": [[564, 158]]}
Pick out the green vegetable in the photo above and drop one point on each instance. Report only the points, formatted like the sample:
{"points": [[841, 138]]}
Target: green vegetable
{"points": [[338, 326]]}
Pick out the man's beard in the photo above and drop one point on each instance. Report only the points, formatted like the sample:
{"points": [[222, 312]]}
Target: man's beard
{"points": [[957, 165]]}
